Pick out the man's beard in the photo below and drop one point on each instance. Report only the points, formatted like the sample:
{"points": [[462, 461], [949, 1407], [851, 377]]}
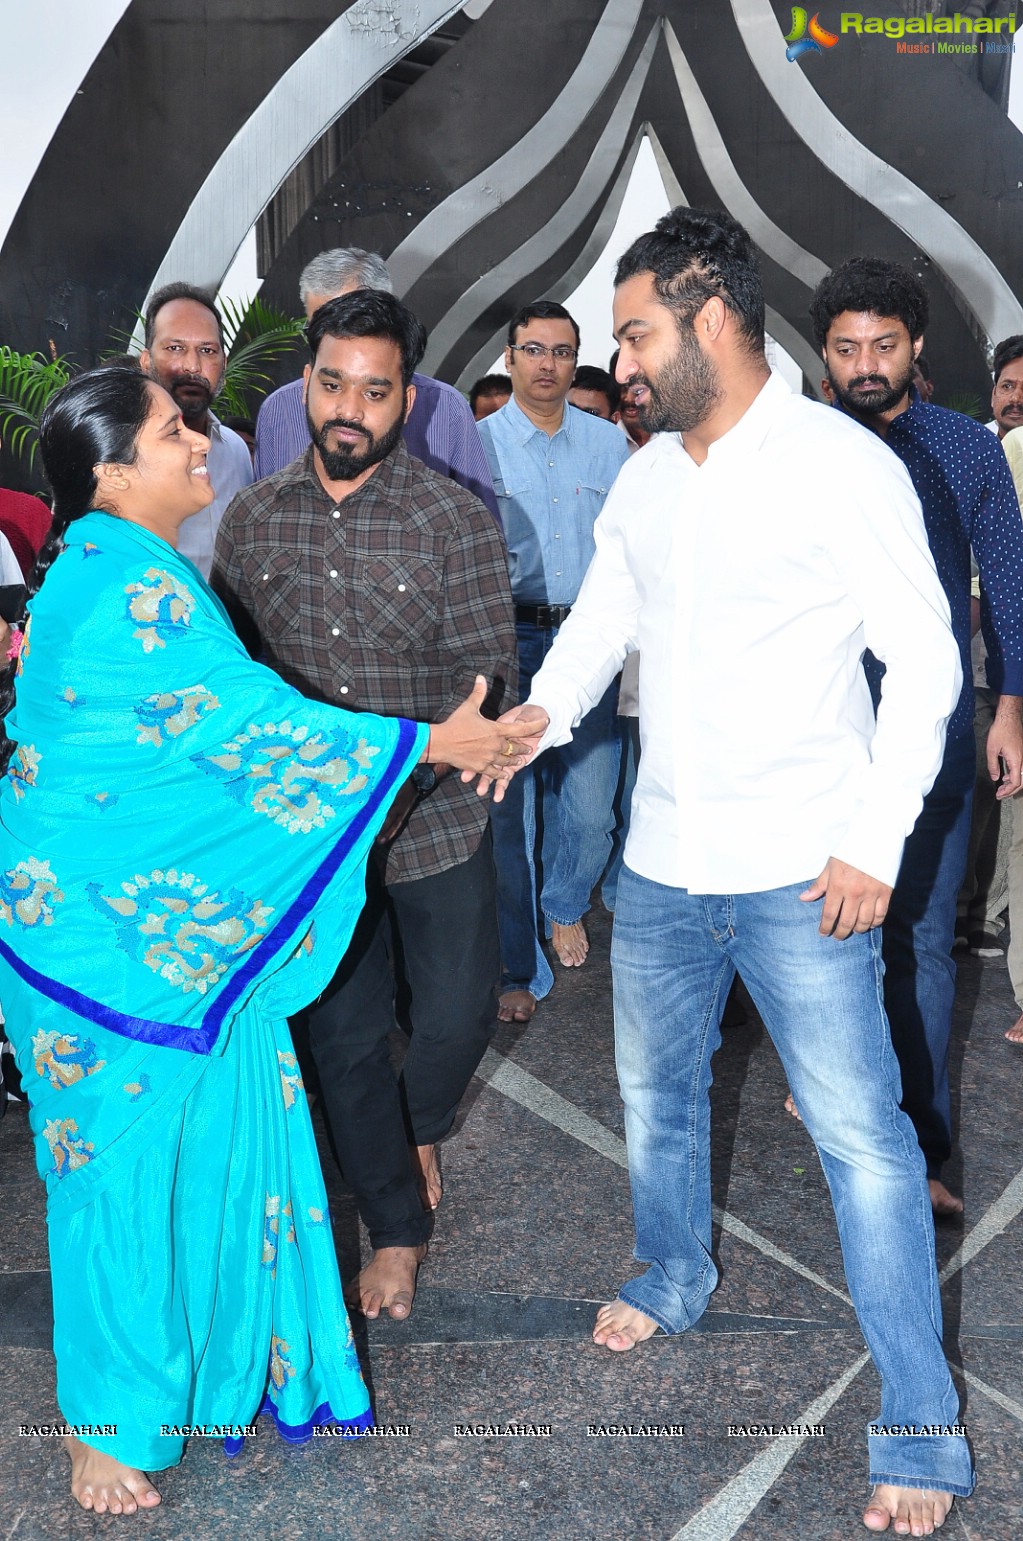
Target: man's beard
{"points": [[349, 460], [192, 407], [686, 390], [884, 392]]}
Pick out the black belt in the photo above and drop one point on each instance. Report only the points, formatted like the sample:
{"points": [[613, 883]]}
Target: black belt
{"points": [[546, 617]]}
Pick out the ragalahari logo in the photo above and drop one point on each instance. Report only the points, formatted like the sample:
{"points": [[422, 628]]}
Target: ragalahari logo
{"points": [[807, 37]]}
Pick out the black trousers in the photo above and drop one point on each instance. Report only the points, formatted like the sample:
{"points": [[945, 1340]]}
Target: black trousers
{"points": [[446, 929]]}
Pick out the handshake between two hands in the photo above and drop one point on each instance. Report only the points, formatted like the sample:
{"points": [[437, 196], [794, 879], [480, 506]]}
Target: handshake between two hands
{"points": [[489, 751]]}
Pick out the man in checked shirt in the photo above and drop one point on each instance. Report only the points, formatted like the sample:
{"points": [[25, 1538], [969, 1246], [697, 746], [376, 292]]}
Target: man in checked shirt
{"points": [[377, 584]]}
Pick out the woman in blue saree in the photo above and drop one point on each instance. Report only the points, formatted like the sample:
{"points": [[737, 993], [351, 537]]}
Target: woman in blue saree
{"points": [[183, 841]]}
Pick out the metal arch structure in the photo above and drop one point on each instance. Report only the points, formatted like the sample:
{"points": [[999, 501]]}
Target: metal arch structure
{"points": [[476, 223], [495, 177], [185, 126]]}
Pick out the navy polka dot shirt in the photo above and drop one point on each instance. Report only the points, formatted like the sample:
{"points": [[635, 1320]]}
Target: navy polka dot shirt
{"points": [[965, 487]]}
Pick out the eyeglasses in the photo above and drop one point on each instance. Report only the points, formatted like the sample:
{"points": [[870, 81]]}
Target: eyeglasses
{"points": [[536, 351]]}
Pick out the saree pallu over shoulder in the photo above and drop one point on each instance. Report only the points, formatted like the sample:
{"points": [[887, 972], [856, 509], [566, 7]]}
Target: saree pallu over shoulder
{"points": [[182, 848], [174, 812]]}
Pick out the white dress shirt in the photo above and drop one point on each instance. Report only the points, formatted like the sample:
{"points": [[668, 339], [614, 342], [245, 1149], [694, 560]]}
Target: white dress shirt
{"points": [[230, 467], [751, 586]]}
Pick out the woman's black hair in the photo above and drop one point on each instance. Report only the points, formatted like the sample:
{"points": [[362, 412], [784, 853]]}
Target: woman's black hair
{"points": [[94, 420]]}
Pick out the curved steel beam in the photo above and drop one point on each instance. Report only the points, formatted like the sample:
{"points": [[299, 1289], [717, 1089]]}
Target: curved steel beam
{"points": [[965, 264], [470, 204], [540, 247], [572, 277], [353, 52], [727, 183], [783, 332]]}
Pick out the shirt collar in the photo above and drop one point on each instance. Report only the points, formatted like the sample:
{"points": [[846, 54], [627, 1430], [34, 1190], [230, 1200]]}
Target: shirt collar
{"points": [[915, 415], [391, 481], [522, 427], [758, 419]]}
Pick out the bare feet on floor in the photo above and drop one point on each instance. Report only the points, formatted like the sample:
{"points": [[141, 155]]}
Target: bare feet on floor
{"points": [[516, 1006], [570, 943], [426, 1165], [387, 1283], [790, 1107], [620, 1327], [911, 1511], [943, 1203], [106, 1486], [1015, 1032]]}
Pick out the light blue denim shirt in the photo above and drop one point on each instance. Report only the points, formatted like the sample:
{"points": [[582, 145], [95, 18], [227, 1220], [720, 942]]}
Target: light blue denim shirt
{"points": [[550, 490]]}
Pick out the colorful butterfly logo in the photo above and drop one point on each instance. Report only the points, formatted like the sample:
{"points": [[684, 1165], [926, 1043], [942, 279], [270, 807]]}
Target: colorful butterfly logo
{"points": [[819, 38]]}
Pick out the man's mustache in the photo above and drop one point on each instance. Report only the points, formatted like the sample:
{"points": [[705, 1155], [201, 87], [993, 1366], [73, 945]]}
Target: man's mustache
{"points": [[342, 422]]}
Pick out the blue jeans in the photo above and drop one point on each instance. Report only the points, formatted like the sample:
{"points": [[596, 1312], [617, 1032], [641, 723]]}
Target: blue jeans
{"points": [[674, 956], [577, 784], [920, 975], [628, 732]]}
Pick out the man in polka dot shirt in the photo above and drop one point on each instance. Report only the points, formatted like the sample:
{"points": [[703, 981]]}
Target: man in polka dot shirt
{"points": [[869, 318]]}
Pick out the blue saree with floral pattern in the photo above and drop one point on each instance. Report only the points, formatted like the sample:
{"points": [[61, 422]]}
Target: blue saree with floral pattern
{"points": [[183, 841]]}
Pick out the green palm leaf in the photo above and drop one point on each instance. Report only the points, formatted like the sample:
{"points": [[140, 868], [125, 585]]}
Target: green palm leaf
{"points": [[255, 336], [27, 381]]}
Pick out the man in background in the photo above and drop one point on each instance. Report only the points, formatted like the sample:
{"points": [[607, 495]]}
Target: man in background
{"points": [[184, 352], [489, 394], [552, 466], [594, 391], [439, 431], [869, 318], [377, 584]]}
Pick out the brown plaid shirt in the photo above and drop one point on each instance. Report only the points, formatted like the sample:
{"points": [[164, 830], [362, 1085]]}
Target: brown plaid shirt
{"points": [[391, 601]]}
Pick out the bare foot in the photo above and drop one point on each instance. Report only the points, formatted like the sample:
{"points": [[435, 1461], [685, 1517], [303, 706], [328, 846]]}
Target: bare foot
{"points": [[387, 1283], [106, 1486], [1015, 1032], [943, 1203], [426, 1165], [570, 943], [619, 1327], [913, 1511], [790, 1107], [516, 1006]]}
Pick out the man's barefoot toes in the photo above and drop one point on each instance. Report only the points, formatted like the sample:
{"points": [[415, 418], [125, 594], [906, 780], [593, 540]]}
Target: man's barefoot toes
{"points": [[620, 1327], [387, 1283]]}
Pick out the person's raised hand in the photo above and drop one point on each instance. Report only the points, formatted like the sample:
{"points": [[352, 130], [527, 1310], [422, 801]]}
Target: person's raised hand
{"points": [[476, 746], [525, 726]]}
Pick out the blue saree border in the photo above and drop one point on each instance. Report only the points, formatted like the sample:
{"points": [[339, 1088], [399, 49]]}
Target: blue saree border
{"points": [[202, 1039], [301, 1433]]}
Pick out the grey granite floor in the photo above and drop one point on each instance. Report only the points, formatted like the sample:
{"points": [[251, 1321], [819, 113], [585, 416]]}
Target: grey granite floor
{"points": [[534, 1230]]}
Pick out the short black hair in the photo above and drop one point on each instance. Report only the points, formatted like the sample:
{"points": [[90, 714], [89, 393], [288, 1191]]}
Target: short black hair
{"points": [[171, 292], [540, 310], [490, 385], [694, 255], [589, 378], [371, 313], [1006, 352], [871, 286]]}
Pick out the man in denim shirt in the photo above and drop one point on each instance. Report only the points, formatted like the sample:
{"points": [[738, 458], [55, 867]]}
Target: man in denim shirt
{"points": [[552, 466]]}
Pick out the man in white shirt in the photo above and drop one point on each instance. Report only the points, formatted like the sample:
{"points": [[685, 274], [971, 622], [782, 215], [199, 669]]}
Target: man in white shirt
{"points": [[764, 540], [185, 354]]}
